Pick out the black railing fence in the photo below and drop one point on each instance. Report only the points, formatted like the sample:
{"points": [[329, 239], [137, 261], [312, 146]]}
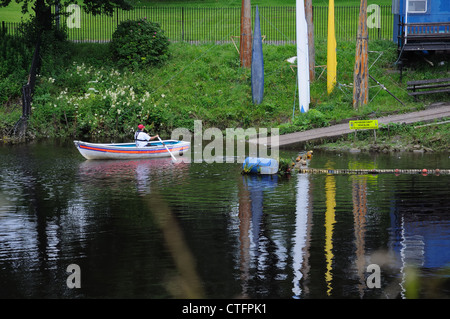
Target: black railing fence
{"points": [[220, 24], [11, 28]]}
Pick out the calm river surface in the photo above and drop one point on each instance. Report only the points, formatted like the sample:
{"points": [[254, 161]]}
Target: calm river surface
{"points": [[155, 229]]}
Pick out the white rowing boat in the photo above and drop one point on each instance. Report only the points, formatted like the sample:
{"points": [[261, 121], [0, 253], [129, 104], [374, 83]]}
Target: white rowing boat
{"points": [[130, 150]]}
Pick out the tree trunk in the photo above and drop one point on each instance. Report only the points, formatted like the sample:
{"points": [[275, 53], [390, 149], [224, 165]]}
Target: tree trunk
{"points": [[246, 34], [361, 74], [43, 16]]}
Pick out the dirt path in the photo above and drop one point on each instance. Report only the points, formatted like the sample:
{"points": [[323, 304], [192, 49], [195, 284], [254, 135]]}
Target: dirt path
{"points": [[433, 112]]}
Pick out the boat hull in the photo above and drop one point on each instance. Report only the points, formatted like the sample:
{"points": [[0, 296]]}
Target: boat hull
{"points": [[95, 151]]}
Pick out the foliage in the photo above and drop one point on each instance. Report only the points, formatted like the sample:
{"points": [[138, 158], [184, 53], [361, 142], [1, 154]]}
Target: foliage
{"points": [[29, 33], [248, 168], [87, 94], [137, 43], [8, 118], [93, 6], [285, 166], [15, 59]]}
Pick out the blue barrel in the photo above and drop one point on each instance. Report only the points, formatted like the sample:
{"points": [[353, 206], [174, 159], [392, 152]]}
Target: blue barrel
{"points": [[260, 165]]}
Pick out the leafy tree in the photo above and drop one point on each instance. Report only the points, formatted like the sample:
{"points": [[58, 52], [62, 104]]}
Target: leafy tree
{"points": [[137, 43], [44, 17]]}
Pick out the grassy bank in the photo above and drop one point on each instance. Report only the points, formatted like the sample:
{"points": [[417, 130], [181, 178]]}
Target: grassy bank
{"points": [[418, 137], [80, 92]]}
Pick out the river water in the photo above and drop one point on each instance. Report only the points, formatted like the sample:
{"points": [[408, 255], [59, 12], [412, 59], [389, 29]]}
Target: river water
{"points": [[158, 229]]}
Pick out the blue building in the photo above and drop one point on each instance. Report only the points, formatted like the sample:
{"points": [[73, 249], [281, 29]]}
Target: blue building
{"points": [[422, 24]]}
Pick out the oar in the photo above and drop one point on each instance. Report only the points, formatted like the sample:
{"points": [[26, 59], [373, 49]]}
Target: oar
{"points": [[167, 149]]}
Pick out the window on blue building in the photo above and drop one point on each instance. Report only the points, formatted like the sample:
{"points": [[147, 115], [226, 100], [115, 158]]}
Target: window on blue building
{"points": [[417, 6]]}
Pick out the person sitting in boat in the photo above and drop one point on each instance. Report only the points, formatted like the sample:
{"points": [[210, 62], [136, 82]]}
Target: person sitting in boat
{"points": [[141, 138]]}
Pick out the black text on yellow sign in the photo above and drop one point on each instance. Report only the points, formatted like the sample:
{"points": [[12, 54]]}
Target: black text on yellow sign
{"points": [[363, 125]]}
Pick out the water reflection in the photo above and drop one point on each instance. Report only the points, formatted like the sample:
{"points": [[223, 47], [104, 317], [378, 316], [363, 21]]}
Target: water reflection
{"points": [[253, 250], [424, 241], [330, 220], [359, 196], [114, 173], [157, 229], [303, 224]]}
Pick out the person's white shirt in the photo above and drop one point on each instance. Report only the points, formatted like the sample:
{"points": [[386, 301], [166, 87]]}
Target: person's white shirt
{"points": [[141, 138]]}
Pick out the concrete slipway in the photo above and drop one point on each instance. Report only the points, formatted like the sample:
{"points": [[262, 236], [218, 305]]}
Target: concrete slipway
{"points": [[433, 112]]}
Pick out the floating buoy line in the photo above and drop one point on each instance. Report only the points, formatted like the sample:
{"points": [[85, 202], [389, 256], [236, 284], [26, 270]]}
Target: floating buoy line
{"points": [[259, 165], [423, 171]]}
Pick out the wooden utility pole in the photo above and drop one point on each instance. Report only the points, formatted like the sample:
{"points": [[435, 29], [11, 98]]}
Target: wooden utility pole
{"points": [[311, 49], [245, 52], [361, 73]]}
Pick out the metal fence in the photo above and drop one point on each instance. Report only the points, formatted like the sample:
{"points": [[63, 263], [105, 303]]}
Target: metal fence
{"points": [[220, 24], [11, 28]]}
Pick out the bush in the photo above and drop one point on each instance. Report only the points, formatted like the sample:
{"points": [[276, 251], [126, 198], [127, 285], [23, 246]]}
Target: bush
{"points": [[137, 43], [15, 59]]}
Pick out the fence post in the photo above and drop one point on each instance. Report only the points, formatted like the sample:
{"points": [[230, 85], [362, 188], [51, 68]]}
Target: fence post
{"points": [[182, 24]]}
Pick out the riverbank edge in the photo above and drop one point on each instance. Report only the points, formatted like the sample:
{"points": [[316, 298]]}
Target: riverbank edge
{"points": [[397, 144], [351, 143], [384, 141]]}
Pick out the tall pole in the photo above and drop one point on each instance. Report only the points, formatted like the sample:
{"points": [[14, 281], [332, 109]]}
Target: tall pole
{"points": [[302, 57], [311, 48], [245, 53], [361, 73], [331, 49]]}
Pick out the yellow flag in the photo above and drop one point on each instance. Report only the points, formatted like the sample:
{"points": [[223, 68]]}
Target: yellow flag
{"points": [[331, 49]]}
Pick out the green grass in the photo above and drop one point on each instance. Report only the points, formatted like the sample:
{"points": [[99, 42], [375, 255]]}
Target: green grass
{"points": [[434, 136], [80, 90], [205, 82]]}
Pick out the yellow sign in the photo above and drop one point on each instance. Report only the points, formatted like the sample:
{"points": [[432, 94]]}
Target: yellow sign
{"points": [[364, 125]]}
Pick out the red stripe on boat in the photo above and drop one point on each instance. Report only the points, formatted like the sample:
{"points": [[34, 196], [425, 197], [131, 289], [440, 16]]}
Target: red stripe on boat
{"points": [[131, 152]]}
